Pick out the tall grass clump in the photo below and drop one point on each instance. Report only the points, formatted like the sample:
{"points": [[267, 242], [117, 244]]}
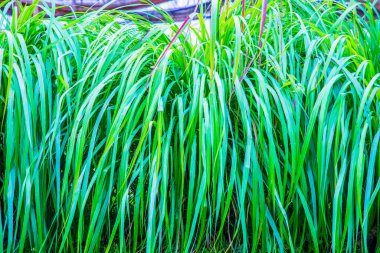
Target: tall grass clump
{"points": [[255, 131]]}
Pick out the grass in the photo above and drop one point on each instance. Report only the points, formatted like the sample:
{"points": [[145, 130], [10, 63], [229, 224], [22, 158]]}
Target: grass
{"points": [[259, 133]]}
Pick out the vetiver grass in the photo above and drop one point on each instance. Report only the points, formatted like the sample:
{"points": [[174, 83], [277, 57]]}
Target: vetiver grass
{"points": [[157, 137]]}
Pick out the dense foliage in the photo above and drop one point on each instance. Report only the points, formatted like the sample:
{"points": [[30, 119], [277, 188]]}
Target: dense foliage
{"points": [[120, 135]]}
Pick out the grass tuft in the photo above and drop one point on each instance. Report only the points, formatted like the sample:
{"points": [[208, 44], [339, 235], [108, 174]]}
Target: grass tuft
{"points": [[259, 133]]}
